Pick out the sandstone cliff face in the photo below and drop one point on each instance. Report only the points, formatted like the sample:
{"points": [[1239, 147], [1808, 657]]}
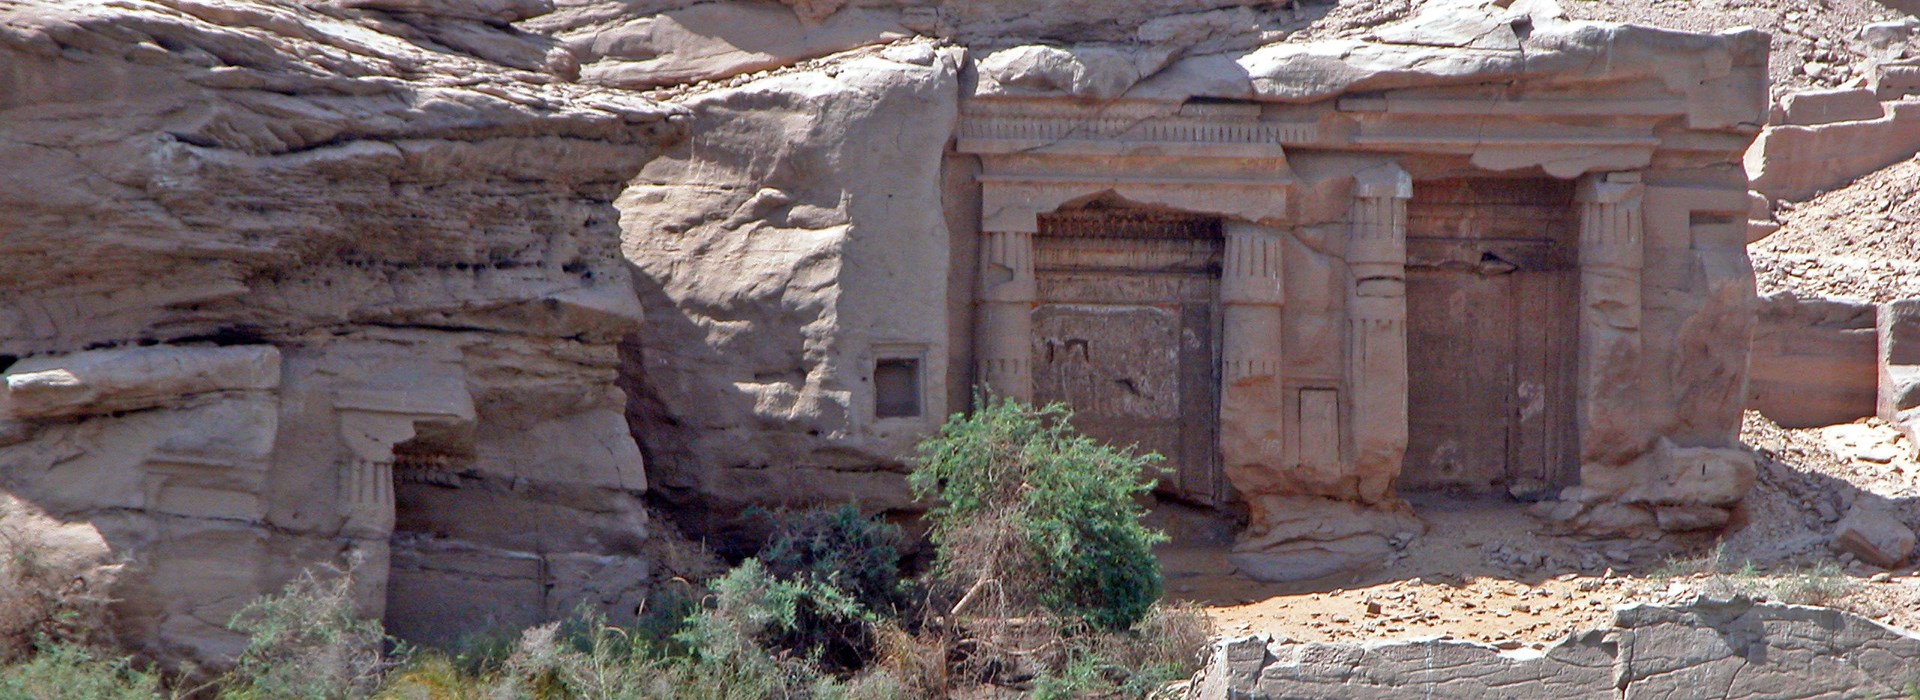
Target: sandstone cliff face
{"points": [[776, 288], [261, 257], [797, 237], [660, 43], [388, 280]]}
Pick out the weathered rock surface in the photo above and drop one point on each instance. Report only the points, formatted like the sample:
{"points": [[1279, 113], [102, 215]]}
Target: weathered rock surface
{"points": [[1898, 325], [797, 237], [1708, 649], [1874, 533], [281, 280], [1796, 161], [356, 279], [760, 257], [1814, 360]]}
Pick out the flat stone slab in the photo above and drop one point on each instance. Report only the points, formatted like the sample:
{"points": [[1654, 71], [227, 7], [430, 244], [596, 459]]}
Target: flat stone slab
{"points": [[1733, 648]]}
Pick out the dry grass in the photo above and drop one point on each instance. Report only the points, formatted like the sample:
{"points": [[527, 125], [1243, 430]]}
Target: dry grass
{"points": [[49, 594]]}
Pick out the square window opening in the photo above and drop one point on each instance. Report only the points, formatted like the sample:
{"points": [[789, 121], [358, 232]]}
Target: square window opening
{"points": [[896, 388]]}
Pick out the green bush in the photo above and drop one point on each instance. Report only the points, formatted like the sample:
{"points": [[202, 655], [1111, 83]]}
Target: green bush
{"points": [[1030, 507], [721, 653], [834, 557], [307, 643], [70, 672]]}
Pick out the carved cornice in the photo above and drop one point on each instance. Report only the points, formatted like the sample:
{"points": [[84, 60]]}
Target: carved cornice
{"points": [[1234, 131]]}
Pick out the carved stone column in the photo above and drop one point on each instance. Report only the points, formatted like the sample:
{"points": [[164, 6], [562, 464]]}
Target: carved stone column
{"points": [[1007, 294], [1612, 256], [1252, 403], [366, 494], [1377, 327]]}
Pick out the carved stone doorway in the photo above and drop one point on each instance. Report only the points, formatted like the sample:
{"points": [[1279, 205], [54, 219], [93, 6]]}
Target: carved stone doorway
{"points": [[1126, 329], [1491, 291]]}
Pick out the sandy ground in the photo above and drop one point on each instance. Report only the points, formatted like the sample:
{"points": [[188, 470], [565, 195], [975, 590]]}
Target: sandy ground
{"points": [[1488, 572]]}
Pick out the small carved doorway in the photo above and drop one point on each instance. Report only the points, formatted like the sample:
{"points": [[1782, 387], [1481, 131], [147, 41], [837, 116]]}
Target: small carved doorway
{"points": [[1126, 332], [1491, 287]]}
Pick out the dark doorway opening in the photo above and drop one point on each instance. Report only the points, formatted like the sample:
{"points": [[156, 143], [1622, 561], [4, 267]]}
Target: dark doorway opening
{"points": [[1492, 294], [1126, 332]]}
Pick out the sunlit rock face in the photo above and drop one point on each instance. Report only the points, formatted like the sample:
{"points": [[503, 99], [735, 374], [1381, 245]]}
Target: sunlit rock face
{"points": [[1464, 246], [448, 288], [288, 287]]}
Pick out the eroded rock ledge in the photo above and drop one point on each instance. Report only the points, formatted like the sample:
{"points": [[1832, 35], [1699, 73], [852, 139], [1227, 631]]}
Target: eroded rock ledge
{"points": [[297, 284], [1732, 648]]}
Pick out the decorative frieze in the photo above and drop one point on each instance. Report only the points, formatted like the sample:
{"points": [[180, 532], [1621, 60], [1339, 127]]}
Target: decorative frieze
{"points": [[1162, 130]]}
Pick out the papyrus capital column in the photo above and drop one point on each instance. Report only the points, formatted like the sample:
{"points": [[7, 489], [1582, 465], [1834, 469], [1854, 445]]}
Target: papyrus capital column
{"points": [[1251, 289], [1252, 400], [1612, 256], [1008, 289], [1377, 326]]}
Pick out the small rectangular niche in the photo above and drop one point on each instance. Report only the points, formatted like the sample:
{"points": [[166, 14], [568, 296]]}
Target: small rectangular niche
{"points": [[896, 387], [1319, 427]]}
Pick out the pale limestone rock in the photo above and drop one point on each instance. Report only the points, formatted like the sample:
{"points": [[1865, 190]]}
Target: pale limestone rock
{"points": [[407, 202], [1673, 488], [710, 41], [1874, 534], [501, 11], [1814, 360], [1301, 537], [1814, 107], [355, 272], [1795, 162], [1707, 649], [108, 381], [1096, 73], [793, 242], [1898, 331]]}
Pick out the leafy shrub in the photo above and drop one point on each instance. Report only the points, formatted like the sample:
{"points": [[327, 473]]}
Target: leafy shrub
{"points": [[1031, 507], [70, 672], [846, 571], [307, 643]]}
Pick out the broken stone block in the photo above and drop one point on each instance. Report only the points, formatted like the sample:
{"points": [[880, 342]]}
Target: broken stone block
{"points": [[1813, 359], [1828, 106], [1873, 535]]}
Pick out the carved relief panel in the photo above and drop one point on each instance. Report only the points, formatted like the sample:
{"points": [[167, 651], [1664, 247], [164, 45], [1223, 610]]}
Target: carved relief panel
{"points": [[1125, 331]]}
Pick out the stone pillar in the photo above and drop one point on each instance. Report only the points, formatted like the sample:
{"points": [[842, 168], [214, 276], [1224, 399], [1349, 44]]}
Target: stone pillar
{"points": [[1252, 403], [1007, 294], [366, 501], [1377, 328], [366, 493], [1612, 256]]}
